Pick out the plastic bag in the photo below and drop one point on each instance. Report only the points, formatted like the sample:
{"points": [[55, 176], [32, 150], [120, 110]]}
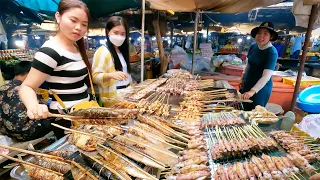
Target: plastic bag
{"points": [[311, 125], [178, 54], [200, 64]]}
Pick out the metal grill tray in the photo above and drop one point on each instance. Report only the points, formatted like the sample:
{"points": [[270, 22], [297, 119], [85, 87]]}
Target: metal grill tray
{"points": [[19, 172], [213, 164]]}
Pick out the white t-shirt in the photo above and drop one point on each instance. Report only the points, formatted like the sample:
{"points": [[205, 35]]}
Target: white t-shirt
{"points": [[125, 70]]}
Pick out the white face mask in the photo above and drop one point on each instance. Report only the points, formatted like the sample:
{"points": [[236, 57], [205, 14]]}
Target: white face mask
{"points": [[117, 40]]}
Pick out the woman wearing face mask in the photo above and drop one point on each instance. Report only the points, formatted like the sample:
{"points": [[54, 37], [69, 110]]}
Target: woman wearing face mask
{"points": [[111, 66], [256, 80], [61, 62]]}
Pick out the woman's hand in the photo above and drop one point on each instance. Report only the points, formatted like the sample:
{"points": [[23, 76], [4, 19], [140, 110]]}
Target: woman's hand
{"points": [[39, 111], [118, 75], [248, 95]]}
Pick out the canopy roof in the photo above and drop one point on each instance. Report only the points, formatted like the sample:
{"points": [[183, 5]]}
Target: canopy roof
{"points": [[98, 8], [222, 6], [302, 11]]}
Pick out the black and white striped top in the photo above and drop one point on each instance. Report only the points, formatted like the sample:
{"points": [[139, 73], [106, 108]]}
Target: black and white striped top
{"points": [[67, 73]]}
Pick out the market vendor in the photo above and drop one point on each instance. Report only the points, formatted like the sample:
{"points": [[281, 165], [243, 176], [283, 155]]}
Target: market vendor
{"points": [[256, 81], [61, 62], [111, 67], [14, 121]]}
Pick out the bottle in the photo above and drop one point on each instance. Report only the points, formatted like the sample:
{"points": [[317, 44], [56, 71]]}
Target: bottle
{"points": [[288, 121]]}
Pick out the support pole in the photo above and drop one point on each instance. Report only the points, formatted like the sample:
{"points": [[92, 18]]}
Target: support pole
{"points": [[163, 59], [207, 39], [171, 36], [312, 18], [196, 22], [142, 39]]}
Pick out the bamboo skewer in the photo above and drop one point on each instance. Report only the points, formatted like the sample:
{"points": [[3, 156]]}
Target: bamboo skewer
{"points": [[30, 164], [129, 162], [33, 153], [158, 162], [107, 167], [74, 118], [161, 140], [158, 150], [218, 90], [169, 130], [84, 170], [76, 131]]}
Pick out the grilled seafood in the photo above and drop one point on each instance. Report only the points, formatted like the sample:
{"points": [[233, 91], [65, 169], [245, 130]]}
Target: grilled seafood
{"points": [[83, 142], [301, 162], [133, 154], [118, 171], [103, 169], [123, 164], [41, 174], [103, 113], [60, 153], [290, 143], [162, 155], [53, 164]]}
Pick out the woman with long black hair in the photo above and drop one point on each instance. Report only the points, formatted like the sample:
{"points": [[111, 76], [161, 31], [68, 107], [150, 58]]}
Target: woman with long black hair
{"points": [[111, 66], [61, 63]]}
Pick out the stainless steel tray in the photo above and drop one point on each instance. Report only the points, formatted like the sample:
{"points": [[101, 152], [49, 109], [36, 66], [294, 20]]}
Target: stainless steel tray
{"points": [[19, 172]]}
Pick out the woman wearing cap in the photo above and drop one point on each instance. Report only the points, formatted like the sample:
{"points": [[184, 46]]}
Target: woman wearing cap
{"points": [[256, 81]]}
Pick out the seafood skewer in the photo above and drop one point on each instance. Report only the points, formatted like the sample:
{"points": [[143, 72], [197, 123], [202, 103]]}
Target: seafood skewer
{"points": [[36, 171], [125, 164], [135, 155], [103, 169]]}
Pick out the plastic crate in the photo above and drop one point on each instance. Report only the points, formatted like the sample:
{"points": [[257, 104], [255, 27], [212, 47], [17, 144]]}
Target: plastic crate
{"points": [[305, 81]]}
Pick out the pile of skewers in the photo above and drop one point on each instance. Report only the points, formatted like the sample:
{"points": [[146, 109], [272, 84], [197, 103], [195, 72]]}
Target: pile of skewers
{"points": [[123, 104], [173, 86], [148, 141], [266, 168], [192, 161], [208, 96], [142, 93], [238, 141], [179, 86], [260, 115], [221, 119], [309, 151], [192, 108], [157, 104], [49, 165], [181, 74]]}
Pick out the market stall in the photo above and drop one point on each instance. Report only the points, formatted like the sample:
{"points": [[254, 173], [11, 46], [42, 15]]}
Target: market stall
{"points": [[174, 127], [9, 58]]}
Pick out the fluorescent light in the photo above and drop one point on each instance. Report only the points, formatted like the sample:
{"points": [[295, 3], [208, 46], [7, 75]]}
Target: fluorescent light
{"points": [[248, 37], [37, 37], [239, 40], [19, 43], [102, 41]]}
